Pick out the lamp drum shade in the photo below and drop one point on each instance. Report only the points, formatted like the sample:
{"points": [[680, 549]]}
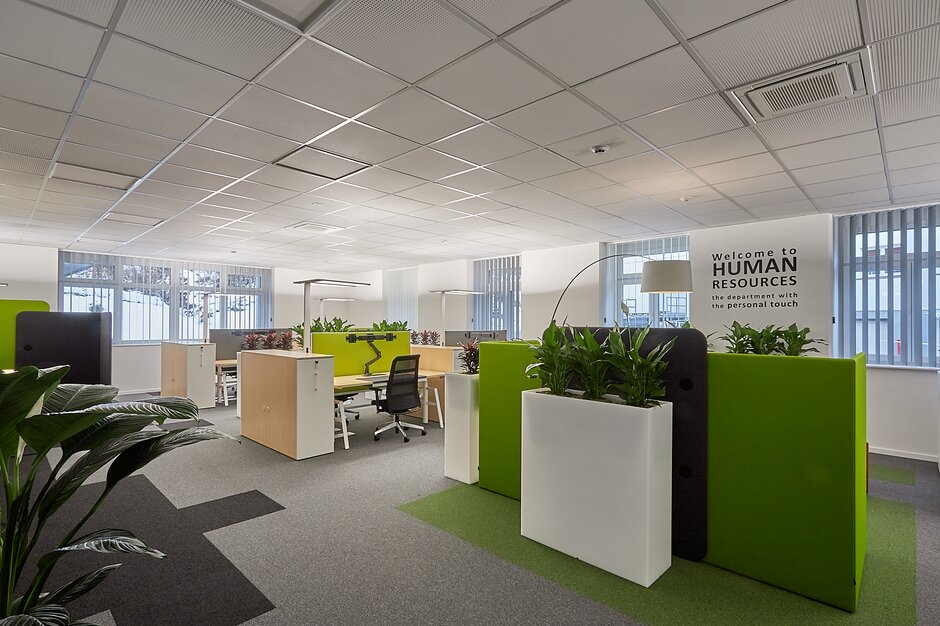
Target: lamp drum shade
{"points": [[667, 277]]}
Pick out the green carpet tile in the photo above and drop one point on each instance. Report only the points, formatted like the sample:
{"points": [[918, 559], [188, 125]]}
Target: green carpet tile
{"points": [[891, 474], [689, 592]]}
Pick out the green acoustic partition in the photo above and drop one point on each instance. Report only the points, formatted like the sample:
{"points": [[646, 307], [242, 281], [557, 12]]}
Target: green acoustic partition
{"points": [[786, 472], [8, 312], [350, 358], [502, 380]]}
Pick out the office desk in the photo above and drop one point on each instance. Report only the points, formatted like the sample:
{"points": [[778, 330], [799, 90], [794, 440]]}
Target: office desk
{"points": [[220, 366], [357, 383]]}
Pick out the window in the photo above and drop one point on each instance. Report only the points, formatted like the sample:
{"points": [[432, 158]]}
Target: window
{"points": [[886, 286], [500, 305], [400, 292], [152, 300], [623, 303]]}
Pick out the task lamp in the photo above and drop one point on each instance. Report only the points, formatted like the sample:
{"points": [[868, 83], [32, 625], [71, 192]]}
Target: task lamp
{"points": [[328, 282], [456, 292], [659, 276], [322, 300]]}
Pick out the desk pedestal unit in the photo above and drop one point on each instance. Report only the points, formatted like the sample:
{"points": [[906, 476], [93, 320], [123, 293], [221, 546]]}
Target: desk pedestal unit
{"points": [[188, 370], [287, 401]]}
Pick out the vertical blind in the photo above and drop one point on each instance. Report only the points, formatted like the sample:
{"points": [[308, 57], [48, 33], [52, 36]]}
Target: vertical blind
{"points": [[621, 286], [499, 307], [886, 281], [153, 299], [400, 293]]}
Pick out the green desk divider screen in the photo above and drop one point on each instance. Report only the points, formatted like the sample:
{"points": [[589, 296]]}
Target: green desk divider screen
{"points": [[350, 358], [8, 311], [786, 472], [502, 380]]}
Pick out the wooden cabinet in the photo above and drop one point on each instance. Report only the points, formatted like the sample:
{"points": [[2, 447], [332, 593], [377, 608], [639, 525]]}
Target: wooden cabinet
{"points": [[441, 359], [188, 370], [286, 401]]}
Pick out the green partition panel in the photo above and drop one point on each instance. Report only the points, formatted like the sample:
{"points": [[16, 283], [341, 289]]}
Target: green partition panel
{"points": [[786, 472], [502, 380], [350, 358], [8, 311]]}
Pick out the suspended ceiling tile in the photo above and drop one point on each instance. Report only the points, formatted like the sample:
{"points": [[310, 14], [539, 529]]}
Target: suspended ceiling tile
{"points": [[685, 122], [498, 15], [30, 118], [733, 144], [636, 167], [65, 172], [552, 119], [169, 190], [213, 161], [921, 174], [90, 132], [192, 178], [914, 157], [217, 33], [243, 141], [137, 198], [316, 74], [364, 143], [842, 118], [726, 218], [758, 184], [837, 149], [601, 195], [910, 102], [348, 193], [916, 191], [786, 209], [571, 182], [95, 11], [271, 112], [911, 134], [396, 204], [693, 18], [37, 84], [36, 34], [417, 116], [106, 160], [427, 164], [785, 37], [483, 144], [849, 199], [662, 80], [382, 179], [692, 195], [478, 181], [533, 164], [489, 82], [239, 203], [842, 169], [699, 209], [846, 185], [621, 143], [108, 104], [320, 163], [735, 169], [300, 11], [259, 191], [893, 17], [26, 144], [665, 183], [9, 192], [584, 38], [778, 196], [23, 164], [433, 193], [162, 76], [288, 178], [907, 59], [407, 38], [20, 181], [71, 200]]}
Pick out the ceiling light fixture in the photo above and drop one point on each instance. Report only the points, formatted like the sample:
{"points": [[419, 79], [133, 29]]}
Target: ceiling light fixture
{"points": [[331, 282], [4, 284], [600, 149]]}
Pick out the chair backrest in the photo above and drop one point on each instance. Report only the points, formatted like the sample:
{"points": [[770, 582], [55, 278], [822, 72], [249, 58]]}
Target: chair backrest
{"points": [[401, 393]]}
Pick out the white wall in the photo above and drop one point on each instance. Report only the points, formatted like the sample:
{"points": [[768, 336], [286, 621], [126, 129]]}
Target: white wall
{"points": [[288, 298], [448, 275], [136, 369], [545, 274], [904, 411], [32, 273]]}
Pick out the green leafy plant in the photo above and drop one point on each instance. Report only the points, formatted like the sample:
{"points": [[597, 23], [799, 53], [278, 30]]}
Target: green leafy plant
{"points": [[589, 363], [92, 431], [766, 340], [795, 341], [386, 326], [317, 325], [552, 365], [470, 357], [639, 375], [737, 338]]}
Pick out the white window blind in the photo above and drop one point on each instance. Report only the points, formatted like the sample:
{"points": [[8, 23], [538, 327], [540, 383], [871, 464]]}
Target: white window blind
{"points": [[152, 300], [887, 283], [400, 293], [500, 305], [622, 284]]}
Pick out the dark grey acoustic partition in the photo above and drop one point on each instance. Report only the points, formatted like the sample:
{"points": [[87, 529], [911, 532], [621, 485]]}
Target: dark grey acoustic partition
{"points": [[80, 340], [228, 341]]}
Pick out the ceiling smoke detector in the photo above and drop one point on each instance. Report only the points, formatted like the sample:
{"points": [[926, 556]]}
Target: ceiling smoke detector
{"points": [[842, 78], [601, 149]]}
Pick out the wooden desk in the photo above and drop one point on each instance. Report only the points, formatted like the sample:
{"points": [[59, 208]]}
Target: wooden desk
{"points": [[355, 384], [220, 365]]}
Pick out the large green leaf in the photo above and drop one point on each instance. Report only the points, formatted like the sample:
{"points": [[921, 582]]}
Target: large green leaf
{"points": [[71, 479], [78, 587], [160, 408], [21, 394], [42, 432], [20, 620], [109, 541], [140, 454], [110, 427], [75, 397], [46, 615]]}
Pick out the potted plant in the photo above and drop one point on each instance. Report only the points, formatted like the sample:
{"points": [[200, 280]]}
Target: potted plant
{"points": [[270, 341], [597, 467], [462, 407], [285, 340], [789, 341], [91, 432], [251, 341]]}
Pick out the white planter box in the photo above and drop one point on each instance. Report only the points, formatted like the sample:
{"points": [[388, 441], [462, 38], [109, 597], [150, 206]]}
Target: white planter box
{"points": [[597, 482], [462, 435]]}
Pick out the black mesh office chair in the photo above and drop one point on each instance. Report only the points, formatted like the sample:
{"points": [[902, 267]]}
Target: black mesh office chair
{"points": [[401, 395]]}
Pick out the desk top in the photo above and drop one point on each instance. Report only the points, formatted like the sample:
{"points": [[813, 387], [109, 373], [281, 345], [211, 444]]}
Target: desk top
{"points": [[226, 362], [356, 381], [288, 354]]}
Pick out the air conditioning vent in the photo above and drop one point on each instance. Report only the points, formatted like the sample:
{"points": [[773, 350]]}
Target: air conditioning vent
{"points": [[845, 77], [313, 227]]}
